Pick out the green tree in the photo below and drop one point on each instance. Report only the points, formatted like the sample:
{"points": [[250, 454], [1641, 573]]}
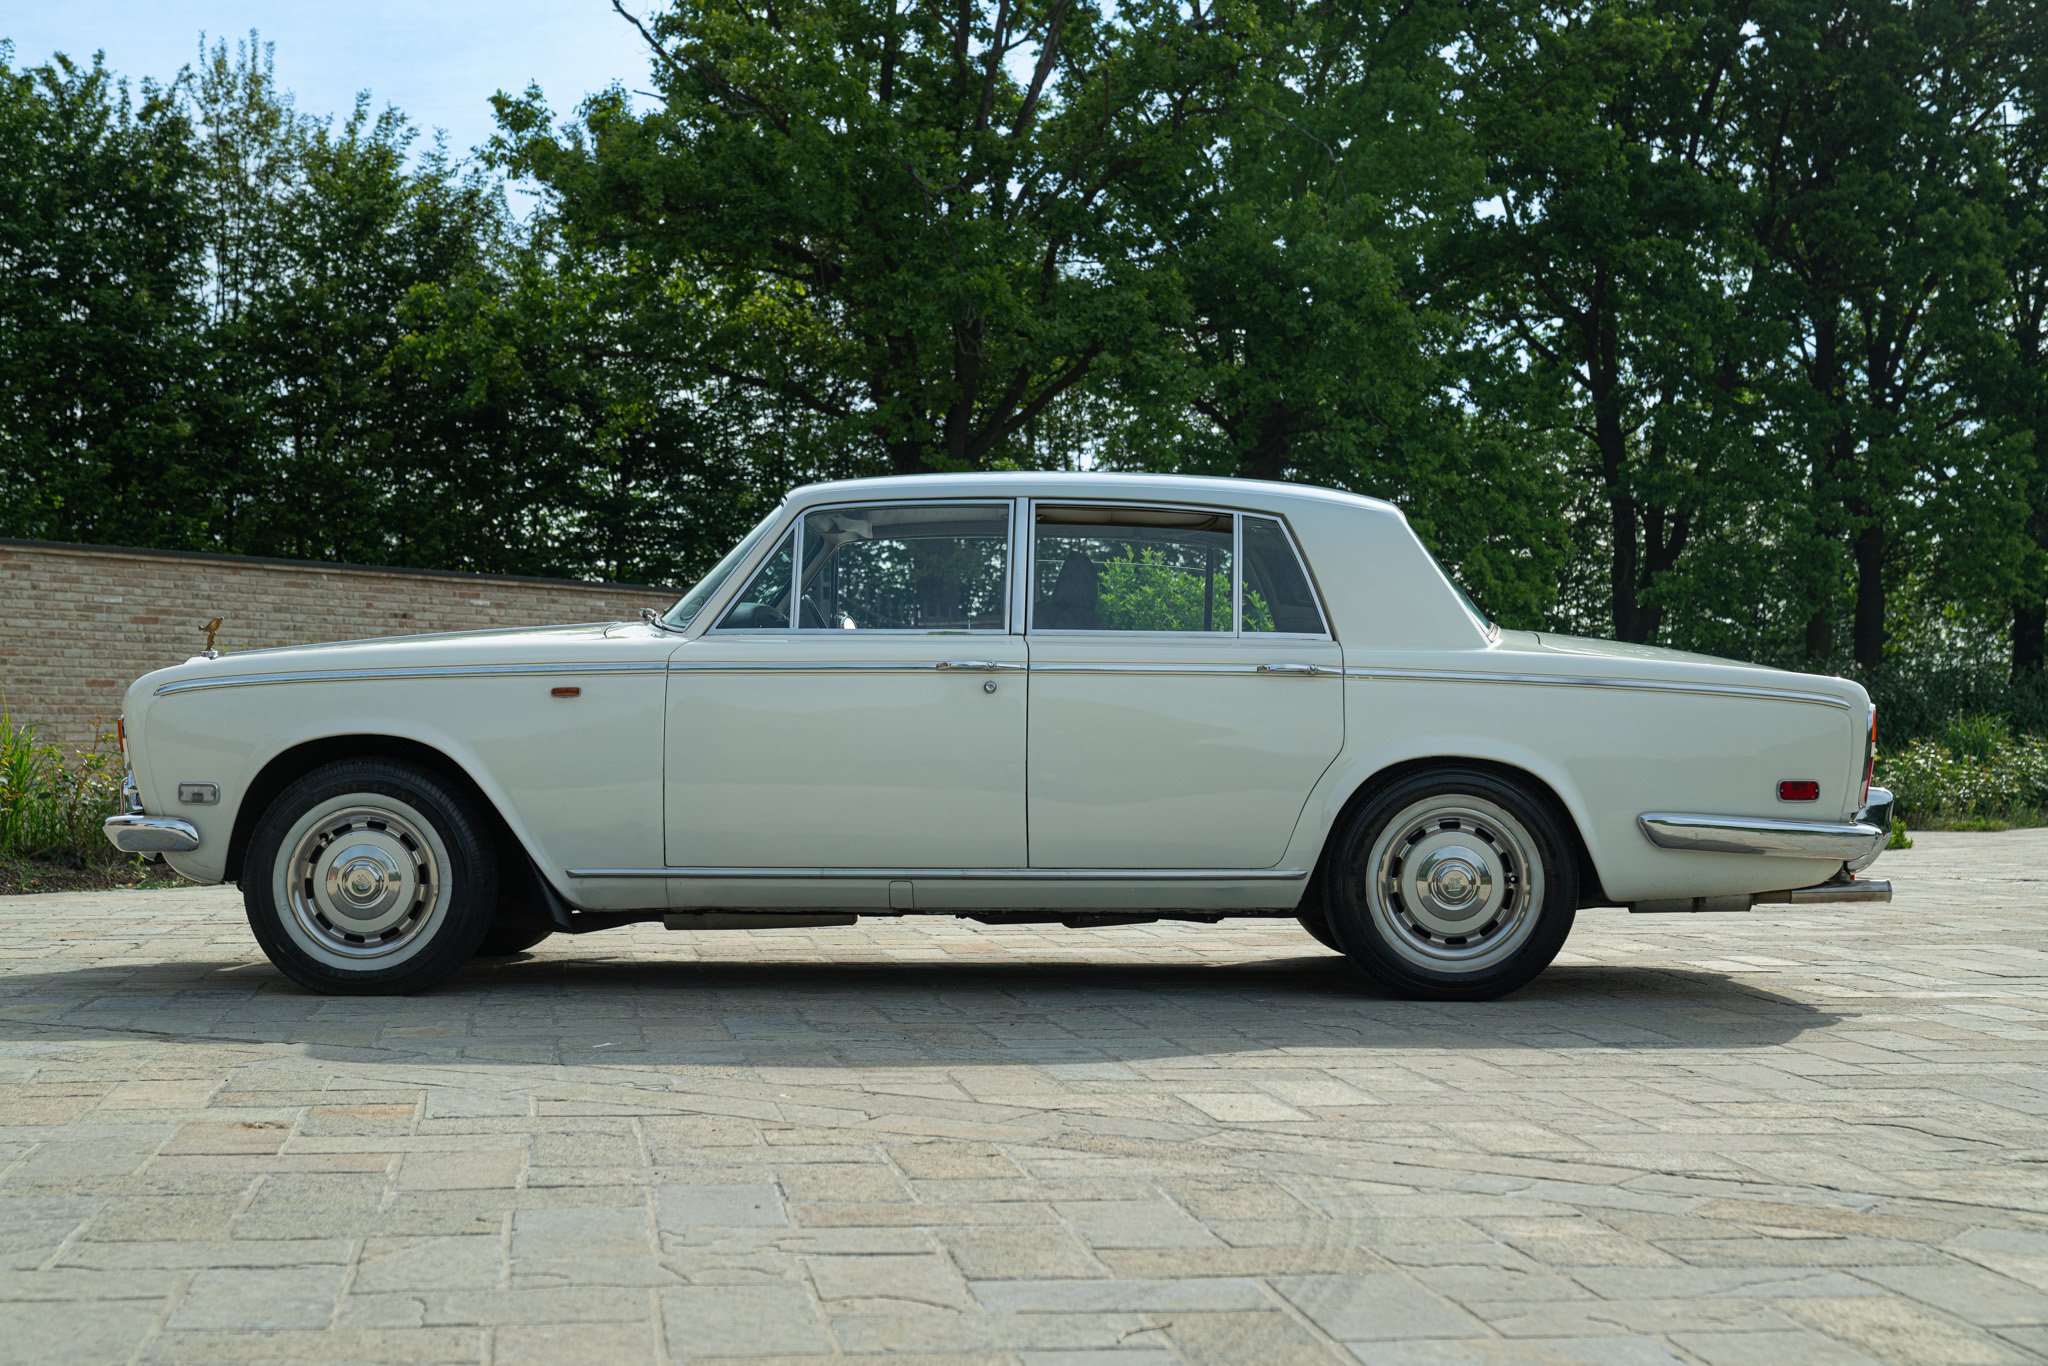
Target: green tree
{"points": [[1611, 286], [924, 226], [1870, 136], [99, 352]]}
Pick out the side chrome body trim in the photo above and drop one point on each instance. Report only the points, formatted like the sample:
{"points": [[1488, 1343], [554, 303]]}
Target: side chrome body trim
{"points": [[421, 671], [1598, 681], [842, 666], [150, 834], [1761, 835], [956, 874]]}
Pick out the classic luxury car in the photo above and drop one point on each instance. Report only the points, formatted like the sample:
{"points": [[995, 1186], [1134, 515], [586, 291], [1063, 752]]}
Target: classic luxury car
{"points": [[1086, 699]]}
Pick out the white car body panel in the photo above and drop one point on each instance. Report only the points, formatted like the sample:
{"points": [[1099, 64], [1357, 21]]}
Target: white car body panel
{"points": [[691, 773]]}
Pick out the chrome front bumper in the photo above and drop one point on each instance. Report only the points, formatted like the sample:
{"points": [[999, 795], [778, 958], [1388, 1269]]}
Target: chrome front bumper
{"points": [[132, 832], [1856, 843], [138, 834]]}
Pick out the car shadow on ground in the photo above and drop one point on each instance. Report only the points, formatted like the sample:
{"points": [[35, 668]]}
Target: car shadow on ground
{"points": [[920, 1014]]}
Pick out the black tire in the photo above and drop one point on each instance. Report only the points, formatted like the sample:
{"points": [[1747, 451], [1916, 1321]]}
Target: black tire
{"points": [[512, 933], [1319, 930], [1460, 832], [395, 836]]}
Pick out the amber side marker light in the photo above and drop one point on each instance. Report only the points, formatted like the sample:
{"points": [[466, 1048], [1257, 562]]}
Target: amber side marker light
{"points": [[1801, 790], [565, 692]]}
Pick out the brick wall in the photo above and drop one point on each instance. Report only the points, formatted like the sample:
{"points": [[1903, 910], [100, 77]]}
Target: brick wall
{"points": [[79, 623]]}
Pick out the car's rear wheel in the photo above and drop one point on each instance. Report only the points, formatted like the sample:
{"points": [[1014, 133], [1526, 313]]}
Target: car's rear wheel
{"points": [[1452, 885], [370, 876]]}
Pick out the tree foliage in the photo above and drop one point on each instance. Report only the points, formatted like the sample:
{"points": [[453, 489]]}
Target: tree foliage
{"points": [[1711, 324]]}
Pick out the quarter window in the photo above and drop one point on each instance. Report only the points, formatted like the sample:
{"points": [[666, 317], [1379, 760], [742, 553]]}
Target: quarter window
{"points": [[1277, 596], [1132, 569], [908, 567]]}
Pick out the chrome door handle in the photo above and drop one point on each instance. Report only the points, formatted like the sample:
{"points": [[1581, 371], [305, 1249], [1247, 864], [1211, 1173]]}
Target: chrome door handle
{"points": [[981, 666], [1302, 669]]}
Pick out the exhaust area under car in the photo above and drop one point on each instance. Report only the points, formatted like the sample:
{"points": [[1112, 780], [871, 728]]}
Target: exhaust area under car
{"points": [[1851, 889]]}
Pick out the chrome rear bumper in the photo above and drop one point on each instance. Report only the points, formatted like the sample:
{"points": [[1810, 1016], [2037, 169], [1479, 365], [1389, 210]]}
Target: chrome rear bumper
{"points": [[138, 834], [1855, 842]]}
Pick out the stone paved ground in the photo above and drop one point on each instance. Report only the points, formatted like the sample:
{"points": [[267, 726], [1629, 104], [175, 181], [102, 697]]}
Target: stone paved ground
{"points": [[1817, 1135]]}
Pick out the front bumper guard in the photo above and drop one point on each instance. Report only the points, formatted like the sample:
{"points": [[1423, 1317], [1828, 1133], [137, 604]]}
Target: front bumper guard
{"points": [[139, 834]]}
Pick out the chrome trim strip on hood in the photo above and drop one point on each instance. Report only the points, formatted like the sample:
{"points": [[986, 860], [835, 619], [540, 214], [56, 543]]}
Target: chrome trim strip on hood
{"points": [[422, 671]]}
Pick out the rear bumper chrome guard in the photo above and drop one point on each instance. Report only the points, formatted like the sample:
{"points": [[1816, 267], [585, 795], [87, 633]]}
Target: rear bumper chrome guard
{"points": [[136, 834], [1847, 841]]}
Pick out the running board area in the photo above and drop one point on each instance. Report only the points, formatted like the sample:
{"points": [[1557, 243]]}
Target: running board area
{"points": [[756, 920], [1843, 890]]}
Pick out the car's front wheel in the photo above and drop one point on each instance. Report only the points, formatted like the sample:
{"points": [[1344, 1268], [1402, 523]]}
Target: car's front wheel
{"points": [[370, 876], [1451, 885]]}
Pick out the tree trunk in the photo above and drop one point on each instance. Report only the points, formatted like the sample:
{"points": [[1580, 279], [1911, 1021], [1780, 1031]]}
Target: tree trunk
{"points": [[2029, 637], [1610, 440], [1867, 632]]}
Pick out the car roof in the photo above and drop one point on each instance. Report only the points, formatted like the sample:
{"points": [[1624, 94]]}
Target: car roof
{"points": [[1187, 488]]}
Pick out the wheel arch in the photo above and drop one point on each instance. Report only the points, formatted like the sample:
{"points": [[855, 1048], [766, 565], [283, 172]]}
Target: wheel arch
{"points": [[1591, 890], [518, 868]]}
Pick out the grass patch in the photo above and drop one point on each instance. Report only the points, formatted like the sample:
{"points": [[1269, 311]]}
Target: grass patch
{"points": [[51, 806], [1973, 773]]}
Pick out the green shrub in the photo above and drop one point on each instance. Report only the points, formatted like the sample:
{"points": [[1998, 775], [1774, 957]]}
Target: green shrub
{"points": [[1974, 773], [51, 806]]}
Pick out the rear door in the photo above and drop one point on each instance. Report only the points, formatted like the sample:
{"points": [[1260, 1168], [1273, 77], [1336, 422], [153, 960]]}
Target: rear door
{"points": [[1185, 692]]}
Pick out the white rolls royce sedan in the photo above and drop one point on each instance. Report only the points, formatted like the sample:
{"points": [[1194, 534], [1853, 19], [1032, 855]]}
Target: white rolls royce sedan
{"points": [[1078, 698]]}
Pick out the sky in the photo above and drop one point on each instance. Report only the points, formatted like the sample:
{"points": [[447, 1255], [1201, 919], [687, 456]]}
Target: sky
{"points": [[438, 60]]}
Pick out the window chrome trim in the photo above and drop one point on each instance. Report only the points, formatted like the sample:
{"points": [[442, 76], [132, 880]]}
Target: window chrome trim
{"points": [[423, 671], [1031, 598], [1027, 534], [1597, 681], [955, 874]]}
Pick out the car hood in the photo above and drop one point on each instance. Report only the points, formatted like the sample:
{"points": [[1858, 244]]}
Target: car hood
{"points": [[589, 643]]}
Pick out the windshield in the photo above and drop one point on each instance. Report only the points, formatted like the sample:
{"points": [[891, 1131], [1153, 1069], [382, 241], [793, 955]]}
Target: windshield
{"points": [[684, 612]]}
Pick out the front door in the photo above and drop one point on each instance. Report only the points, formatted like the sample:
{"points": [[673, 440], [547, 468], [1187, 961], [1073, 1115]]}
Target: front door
{"points": [[1185, 693], [860, 705]]}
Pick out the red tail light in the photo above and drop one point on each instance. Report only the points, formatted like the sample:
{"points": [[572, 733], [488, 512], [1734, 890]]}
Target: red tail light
{"points": [[1800, 790], [121, 736], [1870, 757]]}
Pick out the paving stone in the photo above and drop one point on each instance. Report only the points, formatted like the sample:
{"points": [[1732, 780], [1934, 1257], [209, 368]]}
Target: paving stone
{"points": [[1811, 1135], [750, 1205], [1376, 1308], [743, 1320], [299, 1297], [581, 1232]]}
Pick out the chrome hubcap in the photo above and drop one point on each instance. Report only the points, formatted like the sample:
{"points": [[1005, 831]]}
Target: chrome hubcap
{"points": [[364, 879], [1454, 883]]}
